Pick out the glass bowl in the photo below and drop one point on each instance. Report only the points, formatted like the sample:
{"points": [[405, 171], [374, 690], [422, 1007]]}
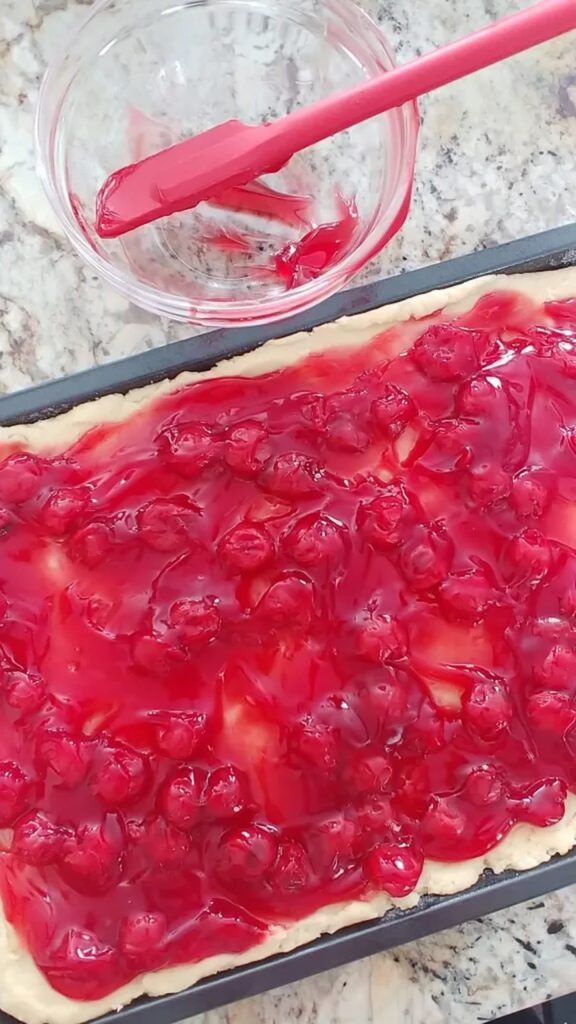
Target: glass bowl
{"points": [[139, 75]]}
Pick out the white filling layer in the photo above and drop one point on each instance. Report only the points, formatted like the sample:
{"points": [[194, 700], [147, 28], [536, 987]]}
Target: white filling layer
{"points": [[24, 991]]}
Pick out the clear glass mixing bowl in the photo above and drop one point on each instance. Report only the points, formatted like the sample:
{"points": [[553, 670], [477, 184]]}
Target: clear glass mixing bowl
{"points": [[139, 75]]}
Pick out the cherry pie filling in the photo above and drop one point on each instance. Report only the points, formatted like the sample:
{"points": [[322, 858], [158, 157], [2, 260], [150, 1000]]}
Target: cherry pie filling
{"points": [[270, 642]]}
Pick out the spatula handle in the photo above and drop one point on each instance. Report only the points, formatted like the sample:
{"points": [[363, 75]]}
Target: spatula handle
{"points": [[494, 43]]}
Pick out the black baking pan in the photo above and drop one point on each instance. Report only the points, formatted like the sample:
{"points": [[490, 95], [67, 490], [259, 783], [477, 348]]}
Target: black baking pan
{"points": [[546, 251]]}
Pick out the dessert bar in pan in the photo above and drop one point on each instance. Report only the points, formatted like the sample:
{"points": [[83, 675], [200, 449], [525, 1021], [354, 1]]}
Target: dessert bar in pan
{"points": [[287, 645]]}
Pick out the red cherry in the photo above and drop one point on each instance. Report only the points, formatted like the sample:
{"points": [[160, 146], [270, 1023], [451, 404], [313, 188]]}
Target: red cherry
{"points": [[380, 638], [91, 544], [331, 843], [425, 734], [225, 793], [567, 601], [291, 475], [14, 792], [93, 863], [292, 871], [558, 669], [24, 691], [530, 496], [246, 548], [163, 843], [477, 398], [196, 621], [551, 711], [38, 841], [246, 448], [180, 798], [289, 602], [246, 853], [413, 799], [450, 447], [543, 803], [19, 477], [484, 786], [368, 772], [6, 522], [489, 484], [153, 654], [465, 596], [374, 814], [316, 743], [182, 735], [314, 539], [487, 709], [425, 559], [394, 867], [393, 410], [189, 448], [142, 934], [443, 822], [165, 525], [529, 556], [62, 509], [123, 777], [99, 613], [313, 408], [82, 966], [387, 699], [68, 756], [384, 520], [446, 352], [344, 433]]}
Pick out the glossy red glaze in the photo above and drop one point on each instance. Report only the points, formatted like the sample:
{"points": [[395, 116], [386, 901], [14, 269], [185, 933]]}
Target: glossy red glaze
{"points": [[313, 253], [270, 642]]}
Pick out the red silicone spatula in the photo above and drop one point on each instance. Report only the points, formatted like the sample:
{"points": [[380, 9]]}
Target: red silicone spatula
{"points": [[233, 153]]}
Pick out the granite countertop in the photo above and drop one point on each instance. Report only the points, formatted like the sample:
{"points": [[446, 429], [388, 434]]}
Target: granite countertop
{"points": [[497, 160]]}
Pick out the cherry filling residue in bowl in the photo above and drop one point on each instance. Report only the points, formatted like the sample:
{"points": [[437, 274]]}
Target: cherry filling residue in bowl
{"points": [[269, 643]]}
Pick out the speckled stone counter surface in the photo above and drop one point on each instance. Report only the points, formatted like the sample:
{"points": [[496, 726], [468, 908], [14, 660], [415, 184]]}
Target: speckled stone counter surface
{"points": [[474, 973], [497, 160]]}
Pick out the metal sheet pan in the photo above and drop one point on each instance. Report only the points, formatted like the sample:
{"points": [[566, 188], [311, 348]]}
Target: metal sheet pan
{"points": [[546, 251]]}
